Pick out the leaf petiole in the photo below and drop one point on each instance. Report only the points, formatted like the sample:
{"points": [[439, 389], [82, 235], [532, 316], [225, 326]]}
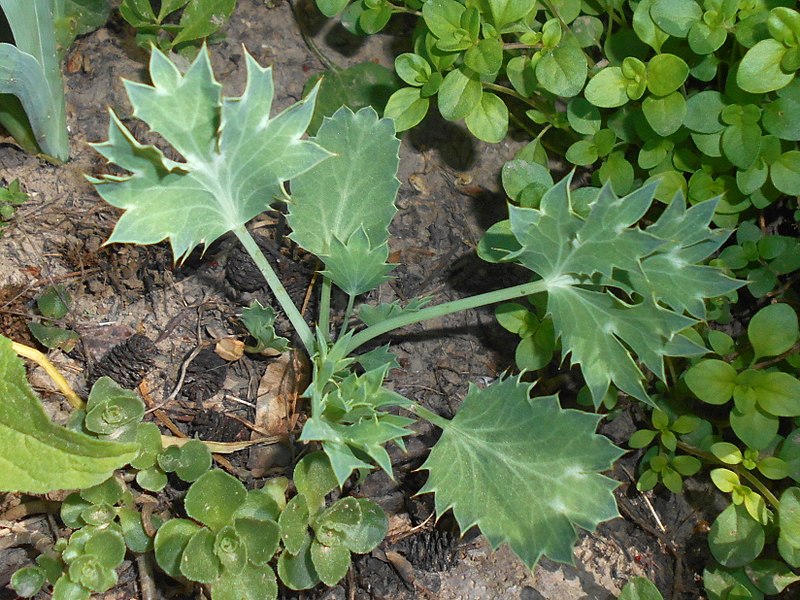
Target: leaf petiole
{"points": [[299, 324], [446, 308]]}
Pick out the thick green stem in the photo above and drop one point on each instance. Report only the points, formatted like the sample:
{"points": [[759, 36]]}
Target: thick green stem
{"points": [[325, 308], [299, 324], [440, 310], [347, 314]]}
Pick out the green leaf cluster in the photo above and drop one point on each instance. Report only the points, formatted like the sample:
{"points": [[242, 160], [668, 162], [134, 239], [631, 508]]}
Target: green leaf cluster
{"points": [[157, 24], [234, 534], [11, 197]]}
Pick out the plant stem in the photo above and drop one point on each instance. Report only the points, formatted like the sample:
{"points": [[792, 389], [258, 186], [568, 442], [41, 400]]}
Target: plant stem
{"points": [[440, 310], [74, 400], [347, 314], [299, 324], [501, 89], [429, 416], [741, 472], [325, 308]]}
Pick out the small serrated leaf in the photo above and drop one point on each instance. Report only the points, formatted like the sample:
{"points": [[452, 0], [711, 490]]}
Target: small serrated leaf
{"points": [[535, 463]]}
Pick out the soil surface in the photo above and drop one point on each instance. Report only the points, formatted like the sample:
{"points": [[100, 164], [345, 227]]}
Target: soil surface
{"points": [[156, 326]]}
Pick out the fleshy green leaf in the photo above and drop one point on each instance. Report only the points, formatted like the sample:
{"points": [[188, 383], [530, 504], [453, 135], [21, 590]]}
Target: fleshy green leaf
{"points": [[170, 542], [562, 71], [201, 18], [252, 583], [735, 539], [37, 456], [236, 156], [665, 114], [198, 561], [330, 562], [459, 94], [214, 498], [571, 254], [488, 121], [640, 588], [773, 330], [770, 576], [406, 107], [760, 70], [536, 464]]}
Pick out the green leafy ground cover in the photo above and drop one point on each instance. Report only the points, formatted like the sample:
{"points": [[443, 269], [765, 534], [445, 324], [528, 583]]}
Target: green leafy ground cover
{"points": [[634, 280]]}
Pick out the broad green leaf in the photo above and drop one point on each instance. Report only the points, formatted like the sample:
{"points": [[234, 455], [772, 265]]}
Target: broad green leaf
{"points": [[77, 17], [31, 72], [66, 589], [789, 516], [536, 464], [111, 407], [607, 88], [526, 182], [354, 189], [780, 120], [442, 16], [236, 156], [729, 584], [330, 562], [214, 498], [489, 119], [406, 107], [294, 524], [773, 330], [760, 70], [582, 153], [583, 117], [735, 539], [28, 581], [252, 583], [778, 394], [297, 571], [646, 28], [331, 8], [676, 17], [617, 172], [198, 560], [38, 456], [770, 576], [595, 326], [54, 303], [201, 18], [741, 144], [785, 173], [505, 12], [314, 478], [486, 57], [665, 114], [261, 538], [459, 94], [562, 71], [665, 74], [170, 542], [754, 426]]}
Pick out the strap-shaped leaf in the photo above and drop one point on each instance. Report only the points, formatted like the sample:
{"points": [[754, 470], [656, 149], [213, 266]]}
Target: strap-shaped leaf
{"points": [[30, 71], [236, 156], [615, 289], [535, 464], [38, 456]]}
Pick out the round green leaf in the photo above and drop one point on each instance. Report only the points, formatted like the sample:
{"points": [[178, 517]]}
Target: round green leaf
{"points": [[751, 180], [670, 183], [148, 438], [735, 539], [607, 88], [413, 69], [724, 479], [170, 541], [741, 144], [253, 583], [108, 546], [294, 524], [27, 581], [666, 73], [214, 498], [770, 576], [66, 589], [705, 40], [516, 318], [773, 330], [785, 173], [109, 416], [198, 560], [646, 28], [136, 538], [582, 153], [780, 118], [618, 171], [526, 181], [522, 75], [760, 70], [194, 460], [314, 478], [486, 57], [642, 438], [774, 468], [789, 553], [488, 121], [407, 107], [789, 516], [333, 524], [754, 427], [297, 571], [152, 479], [373, 525], [676, 17], [562, 71], [459, 95], [712, 381], [779, 394], [727, 453], [71, 509], [587, 30], [331, 8], [726, 584], [261, 538], [330, 562], [665, 114], [687, 465], [536, 351], [583, 117]]}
